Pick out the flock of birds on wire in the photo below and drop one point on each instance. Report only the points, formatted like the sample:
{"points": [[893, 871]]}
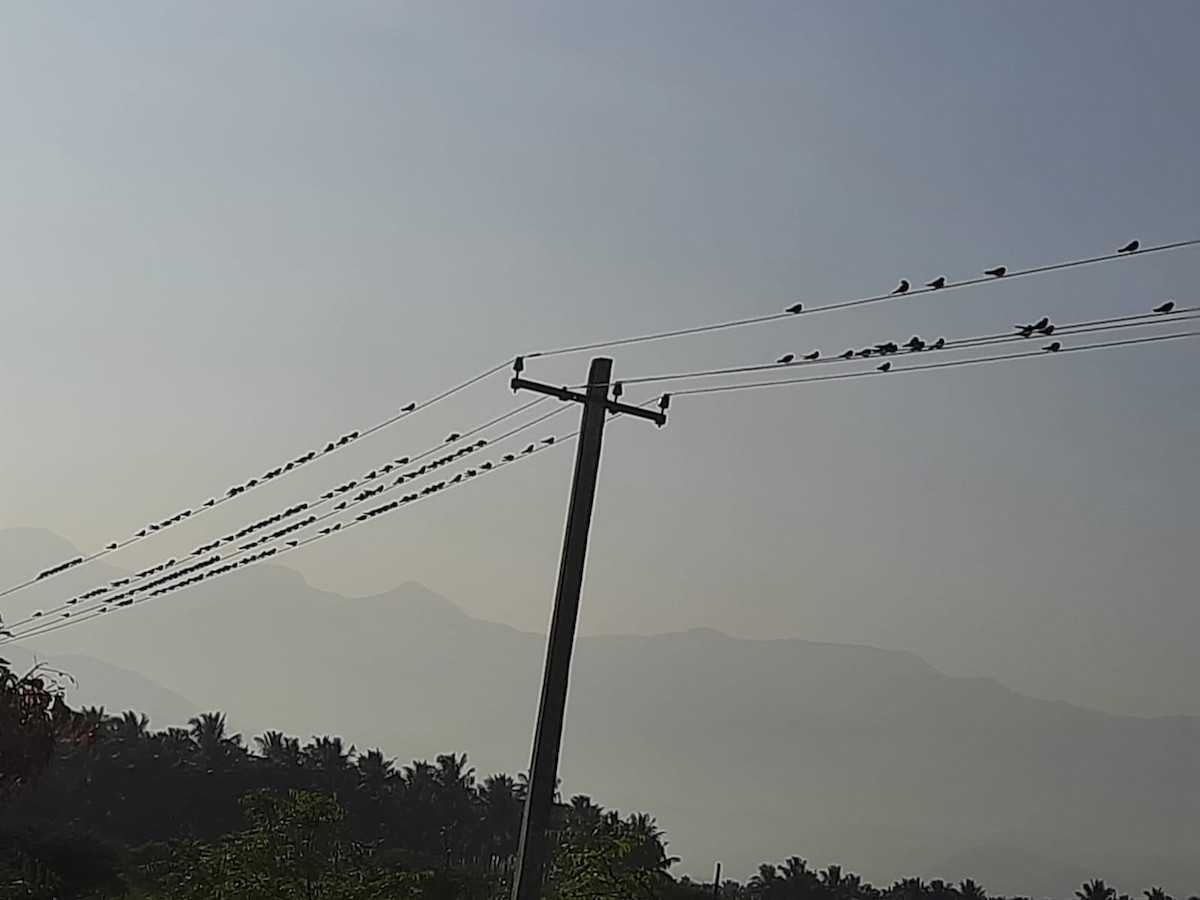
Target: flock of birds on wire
{"points": [[915, 344], [186, 575]]}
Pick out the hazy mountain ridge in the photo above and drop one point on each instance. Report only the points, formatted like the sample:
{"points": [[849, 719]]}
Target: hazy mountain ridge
{"points": [[746, 750]]}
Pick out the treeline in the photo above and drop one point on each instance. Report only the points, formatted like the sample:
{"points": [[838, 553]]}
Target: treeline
{"points": [[196, 812]]}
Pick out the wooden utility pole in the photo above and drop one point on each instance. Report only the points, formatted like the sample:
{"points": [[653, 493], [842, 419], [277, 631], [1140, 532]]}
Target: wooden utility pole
{"points": [[717, 882], [533, 850]]}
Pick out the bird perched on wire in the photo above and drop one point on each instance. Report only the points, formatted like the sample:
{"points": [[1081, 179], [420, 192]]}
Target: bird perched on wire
{"points": [[1053, 346], [998, 272], [785, 359], [902, 288], [452, 437], [938, 344], [886, 367], [1130, 247], [111, 546], [1041, 323], [1047, 329], [408, 408], [915, 344], [795, 308], [847, 355], [811, 356], [939, 282], [548, 440], [528, 449], [1165, 307], [1024, 330]]}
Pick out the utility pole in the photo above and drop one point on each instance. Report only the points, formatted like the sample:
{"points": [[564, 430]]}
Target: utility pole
{"points": [[534, 850], [717, 882]]}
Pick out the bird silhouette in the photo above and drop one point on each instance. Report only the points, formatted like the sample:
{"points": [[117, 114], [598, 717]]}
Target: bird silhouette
{"points": [[785, 359], [293, 543], [847, 355], [865, 352], [1130, 247], [938, 344], [886, 367], [528, 449], [1053, 346], [811, 356], [915, 345], [454, 436], [903, 288], [141, 533], [939, 282], [402, 461], [795, 308], [1048, 330], [508, 457], [1041, 323], [1166, 307], [486, 466], [329, 448], [111, 546], [340, 506], [211, 502], [548, 441], [998, 272], [1024, 330], [408, 408]]}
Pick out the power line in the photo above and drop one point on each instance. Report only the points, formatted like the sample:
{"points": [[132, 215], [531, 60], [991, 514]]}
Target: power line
{"points": [[1035, 354], [326, 498], [45, 627], [1119, 323], [861, 301], [272, 474]]}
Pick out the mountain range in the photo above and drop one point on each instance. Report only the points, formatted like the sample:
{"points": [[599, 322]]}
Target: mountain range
{"points": [[745, 750]]}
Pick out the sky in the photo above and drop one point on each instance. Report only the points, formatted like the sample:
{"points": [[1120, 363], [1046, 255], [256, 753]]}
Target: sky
{"points": [[233, 231]]}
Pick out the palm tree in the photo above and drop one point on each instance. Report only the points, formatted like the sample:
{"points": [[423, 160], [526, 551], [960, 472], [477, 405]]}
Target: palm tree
{"points": [[331, 760], [1156, 893], [583, 816], [131, 727], [501, 812], [214, 748], [374, 772], [279, 749], [1096, 890], [969, 890], [648, 852], [797, 881], [455, 805], [906, 889], [763, 882]]}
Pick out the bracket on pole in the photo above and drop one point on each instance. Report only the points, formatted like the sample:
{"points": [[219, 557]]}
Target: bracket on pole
{"points": [[565, 394]]}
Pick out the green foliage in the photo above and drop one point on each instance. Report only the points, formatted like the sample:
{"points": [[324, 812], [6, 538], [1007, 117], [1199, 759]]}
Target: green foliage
{"points": [[33, 719], [57, 862], [320, 821], [294, 848]]}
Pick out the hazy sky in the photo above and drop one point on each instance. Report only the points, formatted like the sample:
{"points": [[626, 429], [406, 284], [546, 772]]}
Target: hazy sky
{"points": [[231, 231]]}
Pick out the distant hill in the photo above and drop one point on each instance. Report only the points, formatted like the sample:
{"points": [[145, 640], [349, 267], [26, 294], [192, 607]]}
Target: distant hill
{"points": [[745, 750], [96, 683]]}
